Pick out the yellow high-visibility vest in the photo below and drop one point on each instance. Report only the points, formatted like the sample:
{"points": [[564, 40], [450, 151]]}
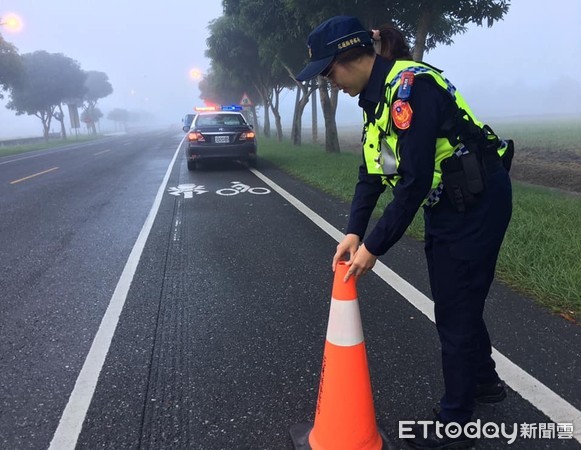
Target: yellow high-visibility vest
{"points": [[380, 139]]}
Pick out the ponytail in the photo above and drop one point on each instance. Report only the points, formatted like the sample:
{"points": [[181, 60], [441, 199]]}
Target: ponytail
{"points": [[390, 43]]}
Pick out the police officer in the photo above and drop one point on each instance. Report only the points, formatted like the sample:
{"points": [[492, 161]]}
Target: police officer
{"points": [[422, 140]]}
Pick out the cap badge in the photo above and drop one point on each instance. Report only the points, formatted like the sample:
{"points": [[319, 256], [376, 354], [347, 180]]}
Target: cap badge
{"points": [[349, 43]]}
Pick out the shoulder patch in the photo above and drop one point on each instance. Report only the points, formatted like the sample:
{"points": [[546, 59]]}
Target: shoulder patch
{"points": [[406, 81], [401, 113]]}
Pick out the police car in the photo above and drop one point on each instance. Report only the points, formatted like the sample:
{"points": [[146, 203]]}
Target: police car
{"points": [[220, 133]]}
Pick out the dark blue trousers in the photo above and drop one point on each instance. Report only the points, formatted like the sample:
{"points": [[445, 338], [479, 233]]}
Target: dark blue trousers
{"points": [[461, 250]]}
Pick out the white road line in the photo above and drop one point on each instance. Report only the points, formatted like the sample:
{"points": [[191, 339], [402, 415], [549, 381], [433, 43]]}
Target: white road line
{"points": [[71, 422], [540, 396], [100, 153], [45, 152]]}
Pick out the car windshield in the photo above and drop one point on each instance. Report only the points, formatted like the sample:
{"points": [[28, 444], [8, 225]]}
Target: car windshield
{"points": [[219, 120]]}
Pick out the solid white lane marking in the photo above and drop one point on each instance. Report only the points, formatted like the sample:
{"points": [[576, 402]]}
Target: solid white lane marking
{"points": [[540, 396], [71, 422], [100, 153], [33, 175]]}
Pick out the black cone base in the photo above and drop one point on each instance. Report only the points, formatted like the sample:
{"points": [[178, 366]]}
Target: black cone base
{"points": [[300, 436]]}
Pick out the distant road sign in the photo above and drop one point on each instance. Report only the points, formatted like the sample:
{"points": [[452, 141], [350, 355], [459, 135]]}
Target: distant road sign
{"points": [[245, 100]]}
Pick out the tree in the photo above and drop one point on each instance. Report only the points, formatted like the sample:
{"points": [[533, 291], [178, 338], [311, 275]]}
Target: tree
{"points": [[97, 87], [236, 44], [280, 29], [235, 56], [49, 80], [428, 23], [281, 44], [10, 66], [307, 14], [119, 116]]}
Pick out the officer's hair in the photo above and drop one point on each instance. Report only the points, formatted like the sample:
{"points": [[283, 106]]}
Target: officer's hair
{"points": [[393, 43]]}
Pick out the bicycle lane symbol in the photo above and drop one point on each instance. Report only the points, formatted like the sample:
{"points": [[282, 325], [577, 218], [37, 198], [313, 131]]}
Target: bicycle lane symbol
{"points": [[238, 187]]}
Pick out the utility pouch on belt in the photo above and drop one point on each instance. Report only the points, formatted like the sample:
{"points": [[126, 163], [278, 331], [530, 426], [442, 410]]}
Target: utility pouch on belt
{"points": [[463, 179]]}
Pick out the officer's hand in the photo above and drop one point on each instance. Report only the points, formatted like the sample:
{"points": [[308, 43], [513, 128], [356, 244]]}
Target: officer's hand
{"points": [[361, 263], [349, 244]]}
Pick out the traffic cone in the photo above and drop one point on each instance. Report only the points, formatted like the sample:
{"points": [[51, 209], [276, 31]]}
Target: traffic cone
{"points": [[345, 416]]}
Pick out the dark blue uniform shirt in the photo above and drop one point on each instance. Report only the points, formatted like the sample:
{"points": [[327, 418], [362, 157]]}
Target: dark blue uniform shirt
{"points": [[429, 104]]}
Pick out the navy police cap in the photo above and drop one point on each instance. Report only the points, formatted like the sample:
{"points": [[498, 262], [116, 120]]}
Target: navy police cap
{"points": [[330, 38]]}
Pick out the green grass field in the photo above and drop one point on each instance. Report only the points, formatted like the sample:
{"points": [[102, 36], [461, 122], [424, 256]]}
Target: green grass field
{"points": [[540, 255], [554, 134]]}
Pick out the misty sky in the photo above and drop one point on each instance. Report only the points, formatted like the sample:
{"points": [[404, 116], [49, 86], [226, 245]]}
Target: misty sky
{"points": [[527, 64]]}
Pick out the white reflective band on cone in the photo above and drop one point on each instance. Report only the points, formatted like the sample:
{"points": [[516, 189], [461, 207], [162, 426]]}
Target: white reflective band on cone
{"points": [[344, 328]]}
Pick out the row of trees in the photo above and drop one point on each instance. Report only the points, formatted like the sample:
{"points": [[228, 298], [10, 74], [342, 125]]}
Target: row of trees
{"points": [[258, 45], [40, 83]]}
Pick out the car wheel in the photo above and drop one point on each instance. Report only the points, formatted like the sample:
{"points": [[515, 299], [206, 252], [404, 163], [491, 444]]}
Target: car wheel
{"points": [[191, 165]]}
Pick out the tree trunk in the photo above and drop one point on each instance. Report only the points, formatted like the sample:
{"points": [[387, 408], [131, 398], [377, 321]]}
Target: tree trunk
{"points": [[314, 118], [254, 118], [275, 111], [265, 95], [305, 92], [46, 129], [428, 11], [266, 120], [329, 107], [61, 119], [296, 123], [45, 117]]}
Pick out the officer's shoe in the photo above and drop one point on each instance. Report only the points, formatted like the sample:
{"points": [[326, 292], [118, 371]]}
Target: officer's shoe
{"points": [[490, 392], [434, 437]]}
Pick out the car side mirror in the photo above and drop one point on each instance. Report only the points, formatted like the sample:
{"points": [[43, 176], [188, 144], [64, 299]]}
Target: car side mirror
{"points": [[186, 129]]}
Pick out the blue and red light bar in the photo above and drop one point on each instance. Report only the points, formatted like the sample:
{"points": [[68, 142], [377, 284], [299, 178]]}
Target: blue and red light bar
{"points": [[218, 108], [231, 108]]}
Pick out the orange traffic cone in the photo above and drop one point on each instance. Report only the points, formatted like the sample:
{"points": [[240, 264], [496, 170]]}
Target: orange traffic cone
{"points": [[345, 416]]}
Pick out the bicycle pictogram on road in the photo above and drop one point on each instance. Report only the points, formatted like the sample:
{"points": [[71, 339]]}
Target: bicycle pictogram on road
{"points": [[238, 188], [188, 190]]}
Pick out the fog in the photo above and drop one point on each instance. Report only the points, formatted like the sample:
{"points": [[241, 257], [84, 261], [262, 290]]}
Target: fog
{"points": [[525, 65]]}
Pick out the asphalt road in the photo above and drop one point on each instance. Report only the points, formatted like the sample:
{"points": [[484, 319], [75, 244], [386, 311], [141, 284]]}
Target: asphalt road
{"points": [[220, 338]]}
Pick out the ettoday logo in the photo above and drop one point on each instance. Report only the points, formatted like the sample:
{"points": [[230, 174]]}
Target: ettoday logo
{"points": [[488, 430]]}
